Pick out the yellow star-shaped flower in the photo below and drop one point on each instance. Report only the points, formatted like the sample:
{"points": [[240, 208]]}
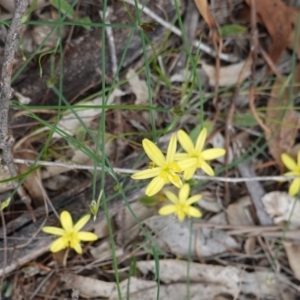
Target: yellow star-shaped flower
{"points": [[165, 169], [181, 206], [70, 235], [196, 151], [294, 168]]}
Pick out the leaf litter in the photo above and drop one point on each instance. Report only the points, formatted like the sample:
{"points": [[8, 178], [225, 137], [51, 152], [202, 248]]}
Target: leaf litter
{"points": [[215, 253]]}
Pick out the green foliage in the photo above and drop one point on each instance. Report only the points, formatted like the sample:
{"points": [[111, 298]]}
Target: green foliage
{"points": [[232, 30]]}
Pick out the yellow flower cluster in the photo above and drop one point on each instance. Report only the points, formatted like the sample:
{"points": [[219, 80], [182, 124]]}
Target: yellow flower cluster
{"points": [[167, 169]]}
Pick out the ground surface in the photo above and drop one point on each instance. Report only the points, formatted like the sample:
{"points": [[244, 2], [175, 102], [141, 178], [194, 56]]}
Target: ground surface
{"points": [[87, 94]]}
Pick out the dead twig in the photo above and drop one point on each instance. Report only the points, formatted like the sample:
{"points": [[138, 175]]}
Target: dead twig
{"points": [[6, 138], [254, 50]]}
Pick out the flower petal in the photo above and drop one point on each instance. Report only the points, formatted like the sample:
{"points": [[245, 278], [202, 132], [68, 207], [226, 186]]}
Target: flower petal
{"points": [[155, 186], [58, 244], [66, 221], [288, 162], [184, 193], [77, 247], [167, 210], [201, 139], [87, 236], [153, 152], [189, 173], [175, 179], [294, 187], [53, 230], [172, 197], [213, 153], [207, 169], [145, 174], [187, 163], [171, 149], [80, 224], [181, 215], [298, 159], [193, 199], [193, 212], [180, 156], [185, 141]]}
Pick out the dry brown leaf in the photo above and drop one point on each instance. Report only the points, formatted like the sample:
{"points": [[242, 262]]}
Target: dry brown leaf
{"points": [[282, 123], [228, 75], [206, 13], [292, 250], [174, 237], [275, 16], [33, 182], [238, 213], [294, 15], [234, 279], [282, 207]]}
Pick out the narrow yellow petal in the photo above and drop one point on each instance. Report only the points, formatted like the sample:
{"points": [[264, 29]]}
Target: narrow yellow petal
{"points": [[87, 236], [207, 169], [298, 159], [145, 174], [155, 186], [201, 139], [77, 247], [185, 141], [172, 197], [66, 221], [58, 245], [193, 199], [153, 152], [294, 187], [187, 163], [180, 156], [184, 193], [189, 173], [176, 181], [167, 210], [53, 230], [213, 153], [288, 162], [80, 224], [193, 212], [171, 149], [181, 215]]}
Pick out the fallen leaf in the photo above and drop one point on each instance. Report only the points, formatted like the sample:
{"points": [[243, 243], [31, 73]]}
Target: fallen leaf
{"points": [[228, 75], [274, 14], [293, 41], [282, 207], [174, 236], [234, 279], [33, 182], [205, 12], [70, 123], [239, 213], [282, 123], [292, 250], [139, 87], [90, 287]]}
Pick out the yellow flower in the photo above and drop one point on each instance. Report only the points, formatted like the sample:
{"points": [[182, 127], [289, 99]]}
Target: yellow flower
{"points": [[166, 169], [182, 204], [196, 151], [70, 236], [294, 168]]}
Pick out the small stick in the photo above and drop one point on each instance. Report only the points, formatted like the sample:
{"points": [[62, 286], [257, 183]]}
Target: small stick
{"points": [[6, 138]]}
